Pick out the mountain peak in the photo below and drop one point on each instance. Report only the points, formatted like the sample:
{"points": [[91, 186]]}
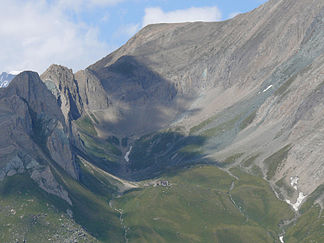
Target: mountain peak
{"points": [[26, 83]]}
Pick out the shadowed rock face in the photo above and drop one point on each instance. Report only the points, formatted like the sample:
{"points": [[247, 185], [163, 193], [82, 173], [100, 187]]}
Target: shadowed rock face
{"points": [[60, 81], [173, 64], [34, 135]]}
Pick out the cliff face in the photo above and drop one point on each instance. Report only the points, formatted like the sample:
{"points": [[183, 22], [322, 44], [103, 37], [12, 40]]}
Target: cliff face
{"points": [[61, 82], [34, 135]]}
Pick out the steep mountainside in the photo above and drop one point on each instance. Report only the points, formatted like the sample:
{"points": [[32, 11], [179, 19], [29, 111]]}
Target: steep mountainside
{"points": [[182, 126], [249, 86], [33, 133]]}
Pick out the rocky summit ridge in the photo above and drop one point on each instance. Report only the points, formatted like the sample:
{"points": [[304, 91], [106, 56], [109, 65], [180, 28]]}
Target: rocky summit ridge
{"points": [[34, 133]]}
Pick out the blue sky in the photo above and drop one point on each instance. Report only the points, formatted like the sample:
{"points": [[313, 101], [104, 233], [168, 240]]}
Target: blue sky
{"points": [[112, 20], [76, 33]]}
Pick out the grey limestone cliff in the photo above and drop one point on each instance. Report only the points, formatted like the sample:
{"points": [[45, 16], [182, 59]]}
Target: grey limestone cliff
{"points": [[34, 136]]}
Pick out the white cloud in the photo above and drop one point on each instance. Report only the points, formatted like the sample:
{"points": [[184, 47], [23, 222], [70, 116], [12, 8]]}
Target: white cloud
{"points": [[80, 5], [34, 34], [157, 15]]}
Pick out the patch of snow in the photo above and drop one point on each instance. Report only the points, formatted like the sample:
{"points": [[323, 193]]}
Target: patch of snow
{"points": [[4, 84], [12, 211], [300, 199], [128, 153], [269, 87], [294, 182], [281, 238], [5, 79]]}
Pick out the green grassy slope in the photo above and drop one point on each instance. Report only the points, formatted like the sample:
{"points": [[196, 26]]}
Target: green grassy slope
{"points": [[90, 197], [28, 213], [309, 226], [202, 206]]}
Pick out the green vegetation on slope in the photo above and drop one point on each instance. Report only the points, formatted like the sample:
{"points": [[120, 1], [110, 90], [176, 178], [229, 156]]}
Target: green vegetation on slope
{"points": [[240, 121], [96, 182], [232, 159], [247, 162], [202, 124], [200, 205], [100, 148], [248, 120], [258, 202], [309, 226], [225, 126], [282, 184], [90, 199], [86, 125], [274, 161], [160, 150], [28, 213], [104, 153], [283, 89]]}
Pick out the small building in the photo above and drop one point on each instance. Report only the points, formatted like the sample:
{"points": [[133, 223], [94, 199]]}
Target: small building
{"points": [[161, 183], [164, 183]]}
